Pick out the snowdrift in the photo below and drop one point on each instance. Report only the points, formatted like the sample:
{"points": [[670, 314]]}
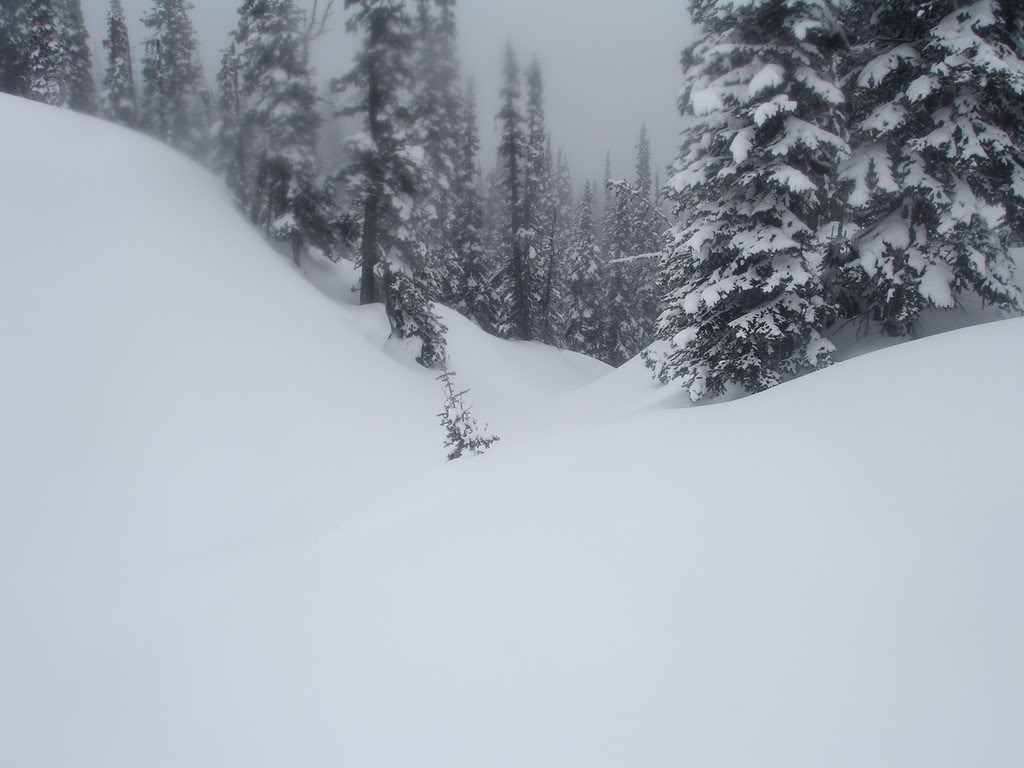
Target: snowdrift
{"points": [[228, 536]]}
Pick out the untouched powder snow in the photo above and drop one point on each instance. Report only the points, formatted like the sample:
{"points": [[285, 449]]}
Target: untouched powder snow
{"points": [[228, 536]]}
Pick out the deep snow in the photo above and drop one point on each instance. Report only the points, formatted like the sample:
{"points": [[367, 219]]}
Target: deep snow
{"points": [[228, 536]]}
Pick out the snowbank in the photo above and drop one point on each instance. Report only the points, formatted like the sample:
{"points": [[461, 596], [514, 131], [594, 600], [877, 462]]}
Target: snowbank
{"points": [[228, 536]]}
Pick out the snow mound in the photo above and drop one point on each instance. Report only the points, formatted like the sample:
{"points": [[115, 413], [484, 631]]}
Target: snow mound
{"points": [[228, 536]]}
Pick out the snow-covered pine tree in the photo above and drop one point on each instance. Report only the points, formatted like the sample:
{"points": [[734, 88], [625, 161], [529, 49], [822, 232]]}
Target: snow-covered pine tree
{"points": [[584, 290], [277, 127], [622, 328], [496, 227], [74, 43], [514, 280], [646, 228], [384, 173], [45, 64], [172, 108], [229, 157], [536, 199], [119, 98], [462, 432], [381, 175], [475, 298], [607, 214], [436, 115], [13, 42], [936, 182], [552, 243], [753, 183], [45, 53]]}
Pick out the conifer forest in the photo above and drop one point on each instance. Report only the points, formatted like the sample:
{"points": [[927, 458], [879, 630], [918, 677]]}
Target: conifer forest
{"points": [[827, 174]]}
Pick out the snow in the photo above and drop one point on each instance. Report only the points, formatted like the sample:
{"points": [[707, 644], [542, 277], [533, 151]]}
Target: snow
{"points": [[770, 76], [230, 537], [878, 69]]}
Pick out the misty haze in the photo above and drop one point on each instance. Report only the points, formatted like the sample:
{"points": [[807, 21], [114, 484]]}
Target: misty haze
{"points": [[479, 384]]}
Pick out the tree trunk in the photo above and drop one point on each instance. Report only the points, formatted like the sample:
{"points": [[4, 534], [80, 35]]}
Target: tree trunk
{"points": [[369, 251]]}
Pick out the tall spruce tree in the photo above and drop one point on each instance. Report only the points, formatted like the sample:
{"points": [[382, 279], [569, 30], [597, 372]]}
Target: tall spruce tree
{"points": [[514, 282], [44, 53], [936, 182], [171, 74], [584, 290], [383, 176], [44, 61], [536, 200], [550, 290], [119, 98], [230, 156], [436, 116], [645, 228], [14, 34], [74, 43], [277, 127], [754, 182], [475, 298], [622, 327]]}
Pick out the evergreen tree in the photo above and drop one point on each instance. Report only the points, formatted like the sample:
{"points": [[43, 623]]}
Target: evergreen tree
{"points": [[230, 152], [584, 300], [754, 182], [497, 229], [474, 298], [606, 237], [119, 100], [45, 64], [622, 327], [436, 116], [171, 74], [275, 161], [462, 433], [14, 34], [514, 282], [44, 53], [936, 182], [550, 321], [383, 176], [536, 201], [646, 226], [74, 43]]}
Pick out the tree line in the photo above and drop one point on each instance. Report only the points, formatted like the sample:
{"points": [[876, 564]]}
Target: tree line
{"points": [[843, 162], [518, 252]]}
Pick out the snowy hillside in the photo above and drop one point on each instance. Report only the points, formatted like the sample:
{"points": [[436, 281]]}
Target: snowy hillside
{"points": [[228, 536]]}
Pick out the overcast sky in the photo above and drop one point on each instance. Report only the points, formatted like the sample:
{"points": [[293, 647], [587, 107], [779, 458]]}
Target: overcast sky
{"points": [[609, 65]]}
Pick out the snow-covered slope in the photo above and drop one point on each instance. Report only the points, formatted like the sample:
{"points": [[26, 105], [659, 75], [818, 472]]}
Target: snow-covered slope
{"points": [[228, 536]]}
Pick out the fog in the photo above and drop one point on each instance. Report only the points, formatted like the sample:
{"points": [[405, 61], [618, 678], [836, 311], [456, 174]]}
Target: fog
{"points": [[609, 66]]}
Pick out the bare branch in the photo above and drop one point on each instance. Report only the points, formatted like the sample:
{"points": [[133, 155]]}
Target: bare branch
{"points": [[316, 22]]}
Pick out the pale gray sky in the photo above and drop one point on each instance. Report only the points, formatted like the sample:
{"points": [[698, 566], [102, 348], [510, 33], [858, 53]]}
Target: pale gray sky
{"points": [[609, 65]]}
